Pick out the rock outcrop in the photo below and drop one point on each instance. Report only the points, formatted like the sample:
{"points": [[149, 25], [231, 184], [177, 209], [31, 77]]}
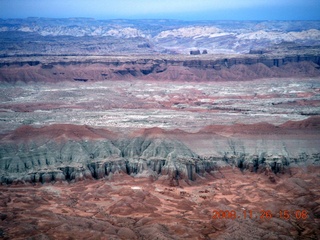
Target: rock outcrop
{"points": [[195, 52], [188, 68], [76, 160], [73, 153]]}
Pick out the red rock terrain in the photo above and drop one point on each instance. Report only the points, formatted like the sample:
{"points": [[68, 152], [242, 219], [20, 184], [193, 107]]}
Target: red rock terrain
{"points": [[124, 207], [147, 159], [121, 206], [58, 132], [185, 68], [106, 135]]}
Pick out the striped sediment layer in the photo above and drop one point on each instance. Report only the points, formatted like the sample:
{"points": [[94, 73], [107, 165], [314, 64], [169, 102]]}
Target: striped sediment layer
{"points": [[73, 153]]}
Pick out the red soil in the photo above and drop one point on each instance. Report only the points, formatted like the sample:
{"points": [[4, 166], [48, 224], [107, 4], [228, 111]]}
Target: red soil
{"points": [[58, 132], [311, 123], [124, 207], [76, 132]]}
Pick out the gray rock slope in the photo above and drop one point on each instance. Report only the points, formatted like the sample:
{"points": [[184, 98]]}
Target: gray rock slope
{"points": [[75, 160]]}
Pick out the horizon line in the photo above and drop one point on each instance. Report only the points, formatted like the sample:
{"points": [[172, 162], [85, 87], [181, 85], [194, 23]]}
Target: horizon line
{"points": [[167, 19]]}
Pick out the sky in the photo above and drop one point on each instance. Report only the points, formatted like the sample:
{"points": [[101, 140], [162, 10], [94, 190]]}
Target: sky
{"points": [[164, 9]]}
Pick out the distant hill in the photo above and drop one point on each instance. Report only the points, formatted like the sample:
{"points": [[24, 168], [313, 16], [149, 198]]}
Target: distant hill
{"points": [[74, 36]]}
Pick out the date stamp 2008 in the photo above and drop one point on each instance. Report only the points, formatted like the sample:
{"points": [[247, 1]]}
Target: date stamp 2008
{"points": [[263, 214]]}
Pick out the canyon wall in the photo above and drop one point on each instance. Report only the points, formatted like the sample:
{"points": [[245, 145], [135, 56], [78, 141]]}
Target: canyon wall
{"points": [[187, 68]]}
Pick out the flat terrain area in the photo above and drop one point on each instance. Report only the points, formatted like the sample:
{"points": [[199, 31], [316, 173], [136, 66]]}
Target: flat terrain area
{"points": [[127, 105]]}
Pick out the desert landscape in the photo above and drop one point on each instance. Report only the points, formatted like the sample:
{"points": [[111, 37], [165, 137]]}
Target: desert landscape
{"points": [[159, 129], [126, 207]]}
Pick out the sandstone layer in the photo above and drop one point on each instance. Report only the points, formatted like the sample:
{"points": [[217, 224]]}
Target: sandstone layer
{"points": [[182, 68]]}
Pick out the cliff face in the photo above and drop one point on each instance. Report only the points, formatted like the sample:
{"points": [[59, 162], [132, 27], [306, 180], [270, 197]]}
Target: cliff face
{"points": [[245, 67], [76, 160]]}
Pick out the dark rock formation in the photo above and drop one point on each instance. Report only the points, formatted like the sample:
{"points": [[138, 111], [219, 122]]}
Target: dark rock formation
{"points": [[144, 45], [195, 52], [81, 79]]}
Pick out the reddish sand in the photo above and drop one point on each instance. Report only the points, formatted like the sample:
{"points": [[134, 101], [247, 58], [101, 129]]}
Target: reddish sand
{"points": [[310, 126], [58, 132], [123, 207]]}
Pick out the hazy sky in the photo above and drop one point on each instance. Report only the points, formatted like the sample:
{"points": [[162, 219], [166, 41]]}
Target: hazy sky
{"points": [[171, 9]]}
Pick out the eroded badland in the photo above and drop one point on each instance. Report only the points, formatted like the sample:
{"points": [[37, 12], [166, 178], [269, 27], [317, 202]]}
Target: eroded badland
{"points": [[135, 139]]}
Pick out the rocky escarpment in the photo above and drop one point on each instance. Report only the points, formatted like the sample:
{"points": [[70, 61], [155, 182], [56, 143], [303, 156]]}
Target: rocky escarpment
{"points": [[208, 61], [190, 68], [76, 160], [77, 153]]}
